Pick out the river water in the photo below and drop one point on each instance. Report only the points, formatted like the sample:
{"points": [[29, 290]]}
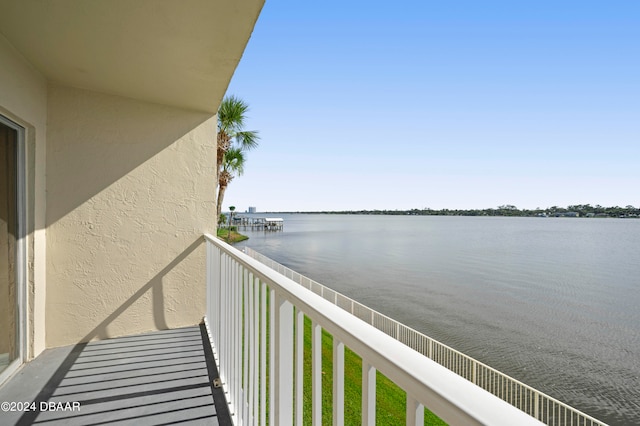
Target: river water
{"points": [[553, 302]]}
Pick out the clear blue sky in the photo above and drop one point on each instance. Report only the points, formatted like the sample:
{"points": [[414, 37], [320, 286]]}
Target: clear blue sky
{"points": [[447, 104]]}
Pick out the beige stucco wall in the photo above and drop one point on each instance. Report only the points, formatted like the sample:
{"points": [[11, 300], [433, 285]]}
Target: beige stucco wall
{"points": [[130, 191], [23, 99]]}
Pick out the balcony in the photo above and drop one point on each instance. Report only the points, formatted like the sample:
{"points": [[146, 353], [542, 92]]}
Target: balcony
{"points": [[253, 331], [163, 377]]}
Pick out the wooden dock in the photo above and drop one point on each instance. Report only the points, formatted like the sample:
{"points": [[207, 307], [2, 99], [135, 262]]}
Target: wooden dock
{"points": [[259, 223]]}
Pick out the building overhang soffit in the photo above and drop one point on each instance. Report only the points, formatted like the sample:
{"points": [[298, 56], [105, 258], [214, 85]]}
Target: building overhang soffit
{"points": [[180, 53]]}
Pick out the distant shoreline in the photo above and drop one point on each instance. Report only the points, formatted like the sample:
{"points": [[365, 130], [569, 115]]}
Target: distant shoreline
{"points": [[578, 211]]}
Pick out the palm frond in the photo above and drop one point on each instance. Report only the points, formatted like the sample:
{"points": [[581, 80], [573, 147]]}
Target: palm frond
{"points": [[247, 139], [233, 162], [231, 114]]}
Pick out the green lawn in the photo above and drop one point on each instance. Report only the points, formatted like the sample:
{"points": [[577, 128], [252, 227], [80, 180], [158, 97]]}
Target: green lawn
{"points": [[230, 237], [390, 399]]}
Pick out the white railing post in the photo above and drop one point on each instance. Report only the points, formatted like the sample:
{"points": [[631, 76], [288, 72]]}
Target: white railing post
{"points": [[368, 394], [224, 329], [283, 378], [246, 319], [272, 356], [237, 340], [415, 412], [263, 354], [338, 382], [474, 373], [299, 365], [209, 273], [316, 373], [253, 361], [217, 293]]}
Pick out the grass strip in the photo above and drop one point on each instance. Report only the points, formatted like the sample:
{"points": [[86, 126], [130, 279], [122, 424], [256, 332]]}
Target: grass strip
{"points": [[230, 236], [390, 399]]}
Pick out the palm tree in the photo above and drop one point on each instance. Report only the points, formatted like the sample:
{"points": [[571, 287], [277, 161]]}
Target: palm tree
{"points": [[231, 122], [232, 166]]}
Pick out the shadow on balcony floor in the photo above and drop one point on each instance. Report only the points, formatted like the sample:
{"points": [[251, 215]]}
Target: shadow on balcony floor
{"points": [[157, 378]]}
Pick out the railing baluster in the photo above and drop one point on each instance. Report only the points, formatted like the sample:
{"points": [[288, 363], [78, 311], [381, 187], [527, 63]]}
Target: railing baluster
{"points": [[230, 333], [283, 349], [263, 354], [316, 373], [415, 412], [368, 394], [253, 398], [272, 356], [246, 319], [217, 303], [225, 344], [229, 329], [338, 382], [299, 365], [474, 374], [209, 274], [237, 336]]}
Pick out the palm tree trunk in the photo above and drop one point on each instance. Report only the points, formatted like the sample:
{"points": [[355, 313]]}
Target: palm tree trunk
{"points": [[224, 143], [221, 190]]}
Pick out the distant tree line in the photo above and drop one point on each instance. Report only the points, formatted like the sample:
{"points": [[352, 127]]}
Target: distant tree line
{"points": [[578, 210]]}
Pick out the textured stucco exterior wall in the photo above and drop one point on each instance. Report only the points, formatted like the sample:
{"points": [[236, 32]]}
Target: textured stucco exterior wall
{"points": [[23, 99], [130, 191]]}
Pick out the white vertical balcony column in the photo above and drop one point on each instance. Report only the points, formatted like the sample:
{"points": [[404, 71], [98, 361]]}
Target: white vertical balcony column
{"points": [[238, 340], [209, 283], [368, 394], [415, 412], [338, 382], [283, 360], [246, 370], [213, 286], [224, 319], [254, 312], [316, 373], [272, 356], [217, 301], [233, 347], [299, 365], [263, 354], [231, 391]]}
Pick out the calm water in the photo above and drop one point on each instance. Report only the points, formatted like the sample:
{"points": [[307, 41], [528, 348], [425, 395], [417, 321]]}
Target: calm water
{"points": [[553, 302]]}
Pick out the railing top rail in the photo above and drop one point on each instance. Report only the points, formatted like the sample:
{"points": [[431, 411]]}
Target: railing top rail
{"points": [[450, 396]]}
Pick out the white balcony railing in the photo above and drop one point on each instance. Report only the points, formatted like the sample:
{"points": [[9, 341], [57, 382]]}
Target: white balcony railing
{"points": [[522, 396], [255, 317]]}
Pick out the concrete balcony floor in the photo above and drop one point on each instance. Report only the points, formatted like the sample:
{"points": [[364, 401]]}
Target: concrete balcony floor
{"points": [[157, 378]]}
